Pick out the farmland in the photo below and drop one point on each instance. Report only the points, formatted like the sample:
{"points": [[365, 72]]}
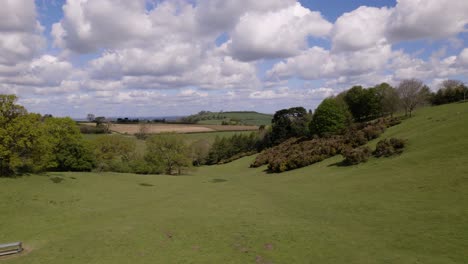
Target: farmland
{"points": [[406, 209], [235, 117], [132, 129]]}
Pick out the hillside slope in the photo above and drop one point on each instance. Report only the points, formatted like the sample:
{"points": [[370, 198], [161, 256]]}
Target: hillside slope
{"points": [[407, 209]]}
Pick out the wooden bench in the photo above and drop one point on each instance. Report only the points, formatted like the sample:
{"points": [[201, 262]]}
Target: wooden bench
{"points": [[11, 248]]}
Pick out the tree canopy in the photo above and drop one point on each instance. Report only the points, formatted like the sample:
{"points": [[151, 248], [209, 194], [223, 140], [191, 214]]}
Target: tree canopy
{"points": [[292, 122], [330, 117]]}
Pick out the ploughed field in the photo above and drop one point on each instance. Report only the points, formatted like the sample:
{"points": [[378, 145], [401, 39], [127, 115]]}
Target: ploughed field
{"points": [[411, 208], [176, 128]]}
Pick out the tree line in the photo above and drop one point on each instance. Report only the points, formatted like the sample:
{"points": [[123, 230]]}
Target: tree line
{"points": [[31, 143]]}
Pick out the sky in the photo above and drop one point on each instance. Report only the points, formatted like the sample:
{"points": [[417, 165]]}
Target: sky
{"points": [[178, 57]]}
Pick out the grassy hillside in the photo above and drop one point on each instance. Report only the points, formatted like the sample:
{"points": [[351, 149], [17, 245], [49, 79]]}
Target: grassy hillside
{"points": [[406, 209]]}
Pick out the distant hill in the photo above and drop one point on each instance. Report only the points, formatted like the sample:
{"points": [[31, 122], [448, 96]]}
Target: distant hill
{"points": [[229, 118]]}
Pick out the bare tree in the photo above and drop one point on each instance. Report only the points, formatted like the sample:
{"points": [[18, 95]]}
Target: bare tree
{"points": [[90, 117], [451, 84], [144, 130], [412, 92]]}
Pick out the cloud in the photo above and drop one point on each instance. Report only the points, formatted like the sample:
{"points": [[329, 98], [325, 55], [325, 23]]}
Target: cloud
{"points": [[317, 63], [295, 94], [408, 20], [463, 58], [432, 19], [18, 16], [88, 26], [276, 34], [20, 33], [218, 16], [360, 29]]}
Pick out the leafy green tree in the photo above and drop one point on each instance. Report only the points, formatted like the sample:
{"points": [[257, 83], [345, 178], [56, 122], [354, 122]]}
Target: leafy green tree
{"points": [[24, 146], [389, 100], [69, 150], [330, 117], [450, 91], [364, 104], [9, 109], [112, 152], [292, 122], [169, 152]]}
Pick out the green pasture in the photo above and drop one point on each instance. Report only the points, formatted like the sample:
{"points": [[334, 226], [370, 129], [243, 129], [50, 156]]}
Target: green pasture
{"points": [[407, 209]]}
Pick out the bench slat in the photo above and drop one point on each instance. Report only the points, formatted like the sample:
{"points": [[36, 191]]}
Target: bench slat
{"points": [[10, 252], [15, 244]]}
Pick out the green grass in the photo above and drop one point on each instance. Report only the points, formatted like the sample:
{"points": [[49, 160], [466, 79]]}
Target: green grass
{"points": [[189, 137], [247, 118], [412, 208]]}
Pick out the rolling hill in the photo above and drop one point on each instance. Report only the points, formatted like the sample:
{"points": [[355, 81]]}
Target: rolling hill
{"points": [[410, 208]]}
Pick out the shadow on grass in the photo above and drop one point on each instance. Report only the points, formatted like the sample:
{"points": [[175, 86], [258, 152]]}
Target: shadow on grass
{"points": [[146, 184], [57, 179], [339, 164], [218, 180]]}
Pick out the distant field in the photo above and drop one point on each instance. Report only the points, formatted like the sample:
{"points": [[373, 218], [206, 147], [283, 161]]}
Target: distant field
{"points": [[247, 118], [176, 128]]}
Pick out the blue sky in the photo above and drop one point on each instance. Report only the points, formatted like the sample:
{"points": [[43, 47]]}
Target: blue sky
{"points": [[157, 57]]}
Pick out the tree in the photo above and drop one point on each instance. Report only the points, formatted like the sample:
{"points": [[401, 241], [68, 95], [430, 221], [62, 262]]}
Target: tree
{"points": [[168, 151], [91, 117], [9, 109], [69, 150], [113, 151], [330, 117], [143, 130], [364, 104], [450, 91], [24, 147], [287, 123], [103, 122], [200, 150], [389, 99], [412, 93]]}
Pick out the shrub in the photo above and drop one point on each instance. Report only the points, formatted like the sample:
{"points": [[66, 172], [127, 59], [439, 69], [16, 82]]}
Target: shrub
{"points": [[387, 148], [296, 153], [355, 138], [85, 129], [226, 149], [356, 156]]}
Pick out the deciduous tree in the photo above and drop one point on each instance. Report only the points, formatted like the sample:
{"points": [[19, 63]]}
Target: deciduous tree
{"points": [[330, 117], [412, 92]]}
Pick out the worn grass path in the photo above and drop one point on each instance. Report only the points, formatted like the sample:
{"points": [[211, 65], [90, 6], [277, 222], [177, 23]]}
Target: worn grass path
{"points": [[407, 209]]}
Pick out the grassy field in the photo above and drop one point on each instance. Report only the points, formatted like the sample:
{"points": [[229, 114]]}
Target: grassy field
{"points": [[411, 208], [189, 137], [247, 118]]}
